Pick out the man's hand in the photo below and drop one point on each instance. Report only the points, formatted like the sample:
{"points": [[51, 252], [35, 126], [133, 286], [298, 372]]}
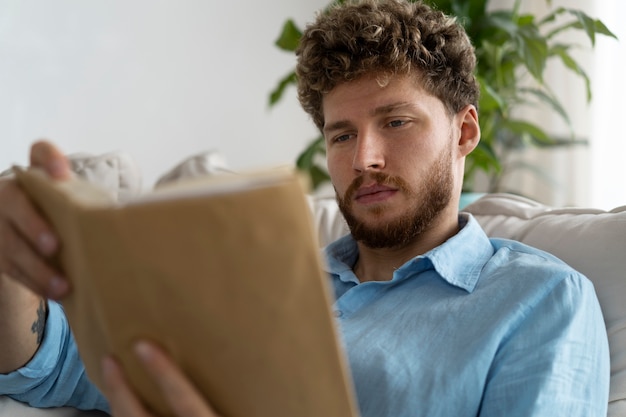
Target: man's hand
{"points": [[26, 239], [26, 277], [182, 397]]}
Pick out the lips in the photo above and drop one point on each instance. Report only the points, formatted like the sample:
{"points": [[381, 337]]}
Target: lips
{"points": [[374, 193]]}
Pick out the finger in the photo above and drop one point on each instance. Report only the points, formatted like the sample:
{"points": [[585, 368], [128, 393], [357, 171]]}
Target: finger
{"points": [[45, 155], [179, 392], [123, 402], [25, 238], [18, 210], [21, 263]]}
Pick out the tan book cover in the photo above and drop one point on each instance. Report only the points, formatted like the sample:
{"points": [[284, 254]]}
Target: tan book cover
{"points": [[224, 273]]}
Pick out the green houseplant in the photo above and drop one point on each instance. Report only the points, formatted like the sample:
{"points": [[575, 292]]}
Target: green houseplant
{"points": [[513, 49]]}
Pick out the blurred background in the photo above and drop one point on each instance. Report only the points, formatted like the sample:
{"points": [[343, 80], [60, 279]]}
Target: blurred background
{"points": [[162, 80]]}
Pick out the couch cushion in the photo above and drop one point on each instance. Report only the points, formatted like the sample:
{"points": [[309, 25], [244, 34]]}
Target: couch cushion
{"points": [[116, 172], [328, 220], [204, 163]]}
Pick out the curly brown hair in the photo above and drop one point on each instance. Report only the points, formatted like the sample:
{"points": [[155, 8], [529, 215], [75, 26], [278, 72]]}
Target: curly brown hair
{"points": [[385, 38]]}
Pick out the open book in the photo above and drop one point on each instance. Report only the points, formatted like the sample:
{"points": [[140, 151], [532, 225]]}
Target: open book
{"points": [[224, 273]]}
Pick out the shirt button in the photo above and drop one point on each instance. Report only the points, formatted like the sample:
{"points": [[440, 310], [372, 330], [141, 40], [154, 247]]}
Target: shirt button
{"points": [[338, 313]]}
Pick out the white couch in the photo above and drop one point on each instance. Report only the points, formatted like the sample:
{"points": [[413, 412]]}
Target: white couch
{"points": [[592, 241]]}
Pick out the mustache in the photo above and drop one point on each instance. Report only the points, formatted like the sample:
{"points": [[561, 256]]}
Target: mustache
{"points": [[380, 178]]}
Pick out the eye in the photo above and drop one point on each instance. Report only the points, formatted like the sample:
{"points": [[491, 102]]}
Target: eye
{"points": [[342, 138], [397, 123]]}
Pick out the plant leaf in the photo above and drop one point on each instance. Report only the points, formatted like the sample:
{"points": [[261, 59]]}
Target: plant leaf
{"points": [[503, 20], [278, 92], [307, 162], [489, 98], [551, 101], [562, 52], [318, 176], [601, 28], [486, 158], [534, 48], [306, 159], [587, 24], [551, 17], [590, 25], [521, 128], [483, 158], [289, 36], [477, 9]]}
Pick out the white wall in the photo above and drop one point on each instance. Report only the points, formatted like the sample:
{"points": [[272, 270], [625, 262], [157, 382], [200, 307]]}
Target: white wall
{"points": [[156, 78]]}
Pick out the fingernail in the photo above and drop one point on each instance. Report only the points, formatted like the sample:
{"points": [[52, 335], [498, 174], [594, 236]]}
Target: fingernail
{"points": [[56, 168], [58, 287], [144, 351], [47, 243]]}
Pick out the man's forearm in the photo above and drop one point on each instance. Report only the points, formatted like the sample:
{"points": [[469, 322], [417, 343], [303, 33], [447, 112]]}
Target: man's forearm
{"points": [[22, 323]]}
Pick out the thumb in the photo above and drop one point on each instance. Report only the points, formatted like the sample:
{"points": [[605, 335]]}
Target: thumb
{"points": [[48, 157]]}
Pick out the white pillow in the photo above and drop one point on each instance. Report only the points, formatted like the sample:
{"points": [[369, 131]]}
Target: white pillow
{"points": [[204, 163], [114, 171], [327, 218]]}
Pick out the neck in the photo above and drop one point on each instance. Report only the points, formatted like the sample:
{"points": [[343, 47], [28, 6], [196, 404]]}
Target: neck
{"points": [[380, 264]]}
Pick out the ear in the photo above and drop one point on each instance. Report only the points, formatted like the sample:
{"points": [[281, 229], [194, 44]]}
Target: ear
{"points": [[468, 133]]}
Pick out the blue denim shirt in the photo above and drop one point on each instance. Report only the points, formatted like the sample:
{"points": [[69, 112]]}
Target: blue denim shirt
{"points": [[474, 327]]}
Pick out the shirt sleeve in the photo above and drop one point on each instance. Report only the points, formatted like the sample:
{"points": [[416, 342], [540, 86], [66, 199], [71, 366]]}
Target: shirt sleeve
{"points": [[556, 361], [55, 376]]}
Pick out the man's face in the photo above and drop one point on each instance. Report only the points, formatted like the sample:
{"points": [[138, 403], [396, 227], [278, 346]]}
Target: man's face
{"points": [[391, 158]]}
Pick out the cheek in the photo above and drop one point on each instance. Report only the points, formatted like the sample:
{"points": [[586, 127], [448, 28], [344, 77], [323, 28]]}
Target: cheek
{"points": [[334, 167], [339, 168], [410, 154], [337, 157], [414, 159]]}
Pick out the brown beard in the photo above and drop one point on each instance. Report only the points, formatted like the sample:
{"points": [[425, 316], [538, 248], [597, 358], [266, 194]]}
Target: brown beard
{"points": [[424, 207]]}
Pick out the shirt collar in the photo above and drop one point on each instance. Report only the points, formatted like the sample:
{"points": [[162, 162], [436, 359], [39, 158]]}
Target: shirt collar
{"points": [[459, 261]]}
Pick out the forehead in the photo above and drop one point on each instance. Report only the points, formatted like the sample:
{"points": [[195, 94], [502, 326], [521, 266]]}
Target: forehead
{"points": [[366, 95]]}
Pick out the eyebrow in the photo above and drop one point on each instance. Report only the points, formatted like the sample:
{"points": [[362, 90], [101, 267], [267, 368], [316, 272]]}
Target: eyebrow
{"points": [[389, 108], [341, 124], [382, 110]]}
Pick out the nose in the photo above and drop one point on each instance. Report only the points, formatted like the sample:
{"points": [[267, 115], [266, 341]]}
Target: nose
{"points": [[369, 152]]}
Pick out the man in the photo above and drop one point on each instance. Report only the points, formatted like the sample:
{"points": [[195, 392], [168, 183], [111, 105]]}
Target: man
{"points": [[437, 319]]}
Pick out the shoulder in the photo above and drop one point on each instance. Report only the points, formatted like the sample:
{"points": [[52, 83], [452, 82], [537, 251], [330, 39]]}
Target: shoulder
{"points": [[534, 276], [521, 258]]}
